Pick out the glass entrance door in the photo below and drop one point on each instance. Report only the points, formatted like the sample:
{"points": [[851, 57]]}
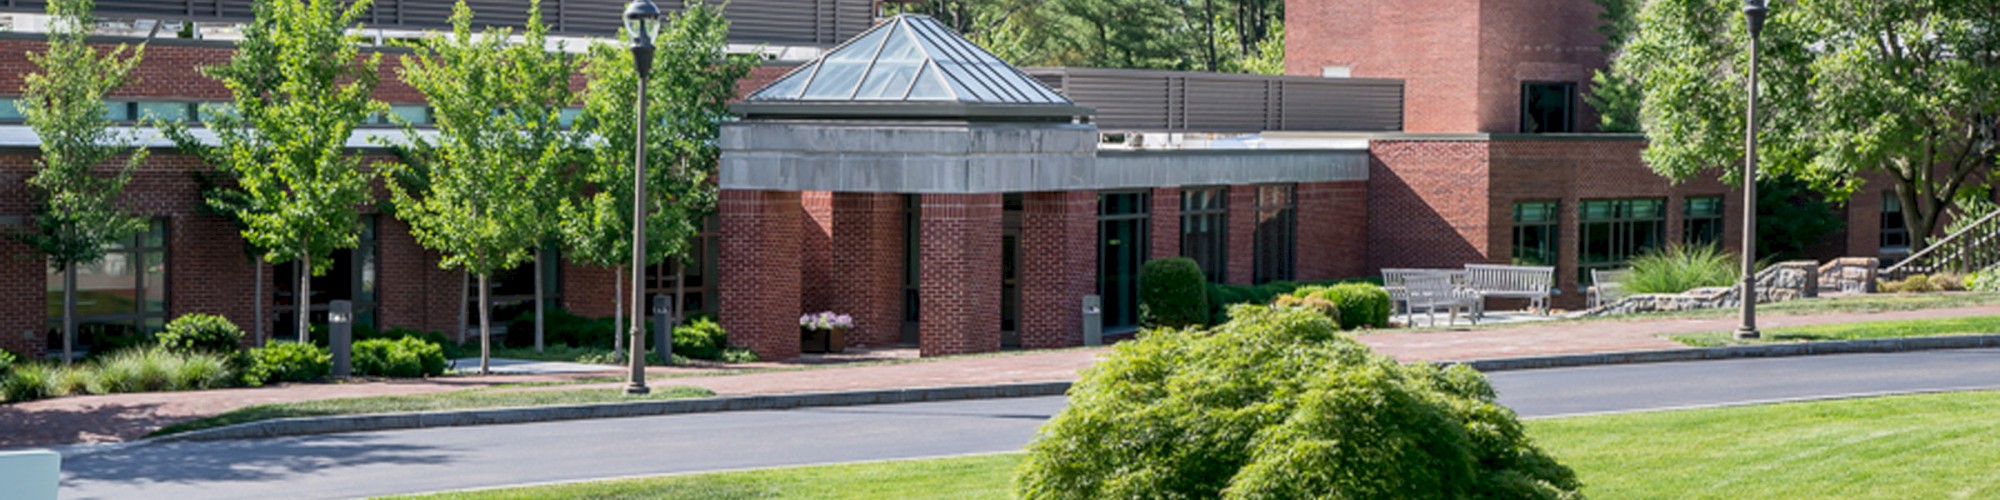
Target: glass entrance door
{"points": [[1122, 242]]}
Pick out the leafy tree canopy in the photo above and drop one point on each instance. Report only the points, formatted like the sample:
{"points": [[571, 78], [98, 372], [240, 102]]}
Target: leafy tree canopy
{"points": [[1237, 36], [1908, 90], [77, 216]]}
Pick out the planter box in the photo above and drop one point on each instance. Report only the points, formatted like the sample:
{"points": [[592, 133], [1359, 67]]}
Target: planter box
{"points": [[822, 341]]}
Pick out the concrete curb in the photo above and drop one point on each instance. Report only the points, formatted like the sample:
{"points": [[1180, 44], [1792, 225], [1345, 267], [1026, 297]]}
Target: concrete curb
{"points": [[496, 416], [1735, 352]]}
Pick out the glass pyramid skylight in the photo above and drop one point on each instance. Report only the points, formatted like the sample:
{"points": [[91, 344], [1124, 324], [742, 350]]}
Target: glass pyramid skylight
{"points": [[909, 58]]}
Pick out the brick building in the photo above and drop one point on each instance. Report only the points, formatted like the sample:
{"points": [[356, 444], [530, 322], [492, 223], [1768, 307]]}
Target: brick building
{"points": [[949, 201]]}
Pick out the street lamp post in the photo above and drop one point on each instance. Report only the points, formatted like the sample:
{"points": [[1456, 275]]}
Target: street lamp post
{"points": [[1754, 12], [642, 22]]}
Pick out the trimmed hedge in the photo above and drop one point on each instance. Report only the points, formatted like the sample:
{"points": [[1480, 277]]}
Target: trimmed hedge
{"points": [[406, 357], [1222, 297], [560, 328], [287, 362], [1361, 304], [202, 333], [1171, 293], [701, 339], [1278, 403]]}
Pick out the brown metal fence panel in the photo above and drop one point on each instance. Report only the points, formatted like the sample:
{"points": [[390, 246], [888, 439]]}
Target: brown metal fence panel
{"points": [[1172, 101], [781, 22]]}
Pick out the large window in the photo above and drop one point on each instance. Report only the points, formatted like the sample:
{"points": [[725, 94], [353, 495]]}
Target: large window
{"points": [[513, 290], [1614, 231], [1122, 242], [1205, 230], [1701, 221], [1895, 231], [121, 299], [1548, 107], [1535, 232], [1277, 231], [351, 277], [699, 293]]}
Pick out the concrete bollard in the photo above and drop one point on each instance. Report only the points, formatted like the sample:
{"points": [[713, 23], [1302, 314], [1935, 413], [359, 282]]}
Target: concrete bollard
{"points": [[30, 474], [1093, 321], [340, 336]]}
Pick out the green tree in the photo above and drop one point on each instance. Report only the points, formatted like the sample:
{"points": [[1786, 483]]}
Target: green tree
{"points": [[1905, 89], [692, 82], [1238, 36], [500, 148], [300, 85], [77, 216], [1614, 95]]}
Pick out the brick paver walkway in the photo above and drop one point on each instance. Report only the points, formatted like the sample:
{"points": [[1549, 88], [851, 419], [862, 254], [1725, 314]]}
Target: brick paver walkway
{"points": [[109, 418]]}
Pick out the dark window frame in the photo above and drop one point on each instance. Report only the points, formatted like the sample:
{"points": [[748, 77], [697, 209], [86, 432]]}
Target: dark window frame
{"points": [[1622, 232], [1123, 316], [142, 321], [1211, 255], [1895, 231], [1531, 115], [1705, 228], [1548, 230], [1274, 247]]}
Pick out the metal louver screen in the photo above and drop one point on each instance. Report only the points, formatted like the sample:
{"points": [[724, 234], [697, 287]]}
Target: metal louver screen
{"points": [[1171, 101], [779, 22]]}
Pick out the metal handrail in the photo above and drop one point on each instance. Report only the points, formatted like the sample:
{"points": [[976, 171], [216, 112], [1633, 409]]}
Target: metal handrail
{"points": [[1922, 260]]}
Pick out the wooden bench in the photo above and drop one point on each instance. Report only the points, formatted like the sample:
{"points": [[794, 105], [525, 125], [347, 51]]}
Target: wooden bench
{"points": [[1396, 282], [1512, 282]]}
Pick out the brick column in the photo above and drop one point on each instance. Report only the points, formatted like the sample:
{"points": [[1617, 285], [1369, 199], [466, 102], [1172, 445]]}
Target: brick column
{"points": [[816, 250], [867, 265], [1166, 223], [1333, 229], [1242, 234], [760, 267], [960, 289], [1058, 266]]}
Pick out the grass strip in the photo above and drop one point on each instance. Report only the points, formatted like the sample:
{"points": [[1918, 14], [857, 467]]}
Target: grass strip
{"points": [[454, 400], [1928, 327], [1918, 446], [1872, 303]]}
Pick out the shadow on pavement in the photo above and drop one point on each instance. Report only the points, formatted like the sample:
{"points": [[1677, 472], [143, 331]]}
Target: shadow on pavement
{"points": [[246, 460]]}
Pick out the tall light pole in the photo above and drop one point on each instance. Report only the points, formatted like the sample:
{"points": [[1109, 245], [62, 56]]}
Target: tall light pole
{"points": [[1753, 14], [642, 22]]}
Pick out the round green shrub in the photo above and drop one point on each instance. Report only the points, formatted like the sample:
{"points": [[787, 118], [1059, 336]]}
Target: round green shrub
{"points": [[202, 333], [1172, 293], [287, 362], [701, 339], [1278, 403], [406, 357], [1361, 304]]}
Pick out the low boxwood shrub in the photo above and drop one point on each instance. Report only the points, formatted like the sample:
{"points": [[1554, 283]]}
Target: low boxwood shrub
{"points": [[1361, 304], [1222, 297], [287, 362], [1277, 403], [702, 338], [207, 333], [1172, 293], [406, 357], [561, 328], [1915, 283]]}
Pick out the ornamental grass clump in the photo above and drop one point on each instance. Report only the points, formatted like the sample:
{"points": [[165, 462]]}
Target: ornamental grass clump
{"points": [[159, 369], [1277, 403], [1681, 268]]}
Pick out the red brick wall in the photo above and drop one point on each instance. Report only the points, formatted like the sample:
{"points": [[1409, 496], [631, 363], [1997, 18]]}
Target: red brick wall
{"points": [[1427, 204], [1333, 230], [960, 289], [1430, 44], [23, 271], [1166, 223], [1462, 61], [1573, 171], [760, 266], [413, 291], [1242, 245], [1535, 41], [588, 290], [1058, 265], [816, 248], [867, 265]]}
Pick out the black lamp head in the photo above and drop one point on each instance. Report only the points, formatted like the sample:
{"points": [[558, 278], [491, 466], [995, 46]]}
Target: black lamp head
{"points": [[642, 21], [1754, 12]]}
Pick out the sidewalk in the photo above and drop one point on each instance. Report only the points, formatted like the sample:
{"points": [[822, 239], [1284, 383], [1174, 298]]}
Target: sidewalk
{"points": [[121, 417]]}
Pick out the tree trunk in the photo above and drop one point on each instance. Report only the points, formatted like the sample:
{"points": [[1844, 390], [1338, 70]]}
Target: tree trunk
{"points": [[69, 313], [464, 284], [539, 313], [304, 302], [485, 329], [680, 292], [259, 294], [618, 313]]}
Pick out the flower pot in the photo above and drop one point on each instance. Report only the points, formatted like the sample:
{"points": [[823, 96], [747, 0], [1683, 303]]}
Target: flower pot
{"points": [[822, 341]]}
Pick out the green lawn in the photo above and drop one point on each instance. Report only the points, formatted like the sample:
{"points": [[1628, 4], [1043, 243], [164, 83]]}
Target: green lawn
{"points": [[1970, 325], [455, 400], [1921, 446], [1871, 303]]}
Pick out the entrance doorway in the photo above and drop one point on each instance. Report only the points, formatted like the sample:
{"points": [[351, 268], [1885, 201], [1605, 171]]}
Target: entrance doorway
{"points": [[1010, 272], [912, 268]]}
